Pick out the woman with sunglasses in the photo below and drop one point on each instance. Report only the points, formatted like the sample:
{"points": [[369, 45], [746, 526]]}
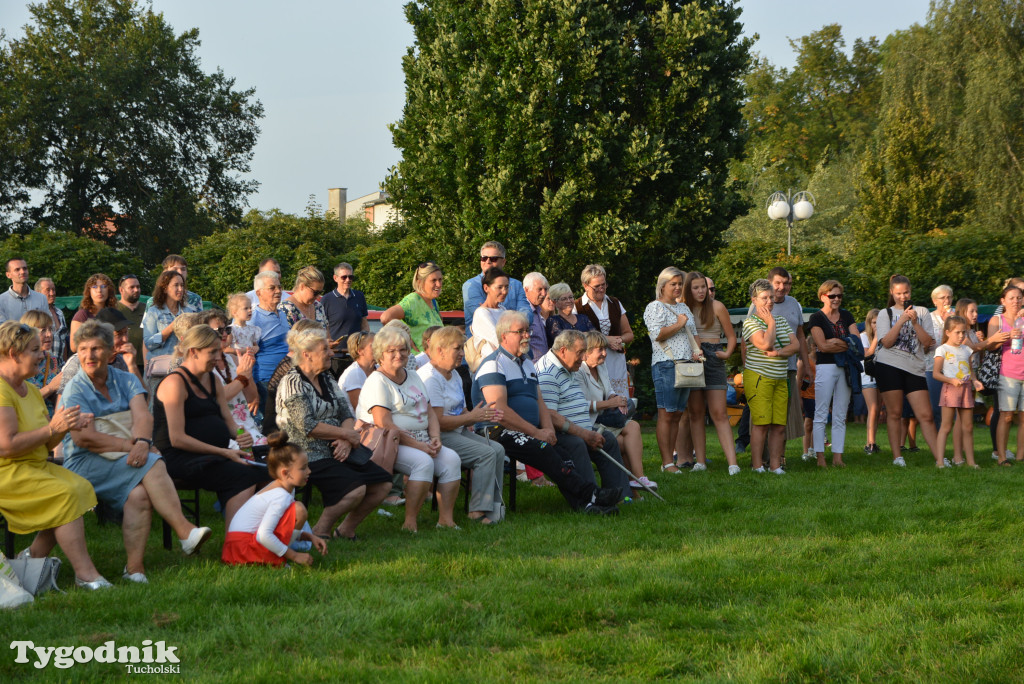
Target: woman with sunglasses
{"points": [[419, 308], [98, 294], [304, 302], [829, 329]]}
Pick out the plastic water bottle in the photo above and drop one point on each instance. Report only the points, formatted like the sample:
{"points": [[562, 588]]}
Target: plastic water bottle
{"points": [[1016, 338], [248, 450]]}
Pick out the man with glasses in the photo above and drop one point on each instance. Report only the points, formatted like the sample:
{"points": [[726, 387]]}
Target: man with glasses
{"points": [[20, 298], [507, 380], [346, 314], [268, 264], [492, 254], [273, 325], [131, 292], [536, 287], [711, 287]]}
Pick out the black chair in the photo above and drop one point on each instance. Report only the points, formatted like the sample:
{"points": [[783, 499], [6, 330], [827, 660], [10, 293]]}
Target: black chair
{"points": [[8, 538]]}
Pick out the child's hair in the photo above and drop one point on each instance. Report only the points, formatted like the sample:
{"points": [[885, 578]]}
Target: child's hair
{"points": [[868, 320], [961, 310], [952, 322], [236, 301], [282, 452]]}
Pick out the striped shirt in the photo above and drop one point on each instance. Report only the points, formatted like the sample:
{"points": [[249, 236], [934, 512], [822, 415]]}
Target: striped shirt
{"points": [[562, 391], [519, 377], [769, 367]]}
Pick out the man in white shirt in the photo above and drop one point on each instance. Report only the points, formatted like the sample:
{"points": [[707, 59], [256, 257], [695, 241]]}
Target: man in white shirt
{"points": [[20, 298]]}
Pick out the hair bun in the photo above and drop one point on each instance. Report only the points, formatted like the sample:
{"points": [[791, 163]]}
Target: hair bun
{"points": [[277, 439]]}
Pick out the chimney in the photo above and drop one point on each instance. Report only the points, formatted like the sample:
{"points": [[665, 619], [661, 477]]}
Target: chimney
{"points": [[336, 199]]}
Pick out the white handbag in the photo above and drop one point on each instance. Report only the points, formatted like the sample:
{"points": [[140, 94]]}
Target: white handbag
{"points": [[689, 374]]}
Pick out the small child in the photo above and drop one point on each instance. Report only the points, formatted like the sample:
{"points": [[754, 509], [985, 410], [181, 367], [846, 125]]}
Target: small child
{"points": [[265, 525], [807, 401], [246, 337], [953, 369]]}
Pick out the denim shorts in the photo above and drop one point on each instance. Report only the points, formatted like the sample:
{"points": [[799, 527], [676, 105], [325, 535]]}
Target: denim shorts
{"points": [[666, 394]]}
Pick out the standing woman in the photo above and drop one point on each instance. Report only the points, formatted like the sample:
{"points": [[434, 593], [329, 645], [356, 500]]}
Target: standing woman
{"points": [[905, 335], [419, 308], [304, 302], [666, 319], [482, 332], [1001, 331], [829, 328], [158, 324], [98, 294], [607, 315], [942, 299], [712, 321], [868, 386]]}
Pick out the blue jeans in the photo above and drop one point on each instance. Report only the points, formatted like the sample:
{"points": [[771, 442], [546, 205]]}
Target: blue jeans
{"points": [[666, 394]]}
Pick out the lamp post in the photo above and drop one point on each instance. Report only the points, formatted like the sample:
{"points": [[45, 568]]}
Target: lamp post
{"points": [[792, 208]]}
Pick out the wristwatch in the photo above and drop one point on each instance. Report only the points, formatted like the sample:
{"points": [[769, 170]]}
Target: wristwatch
{"points": [[147, 440]]}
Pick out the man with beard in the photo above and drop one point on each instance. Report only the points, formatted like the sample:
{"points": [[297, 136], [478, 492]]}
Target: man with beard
{"points": [[129, 305]]}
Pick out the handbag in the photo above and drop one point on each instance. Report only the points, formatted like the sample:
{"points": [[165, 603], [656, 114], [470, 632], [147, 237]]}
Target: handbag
{"points": [[12, 594], [869, 365], [359, 456], [37, 575], [159, 366], [381, 442], [689, 374], [990, 367]]}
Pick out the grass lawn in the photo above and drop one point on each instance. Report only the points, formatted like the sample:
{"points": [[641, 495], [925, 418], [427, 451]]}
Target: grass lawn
{"points": [[868, 573]]}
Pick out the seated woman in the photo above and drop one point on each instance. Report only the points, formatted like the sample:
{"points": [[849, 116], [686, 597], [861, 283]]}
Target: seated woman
{"points": [[448, 402], [48, 378], [115, 453], [282, 369], [564, 317], [304, 302], [99, 294], [394, 397], [239, 388], [597, 388], [36, 495], [192, 426], [317, 420], [360, 348], [483, 338], [419, 308]]}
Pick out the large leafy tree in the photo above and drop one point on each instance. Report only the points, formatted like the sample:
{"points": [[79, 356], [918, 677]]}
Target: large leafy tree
{"points": [[574, 131], [110, 128]]}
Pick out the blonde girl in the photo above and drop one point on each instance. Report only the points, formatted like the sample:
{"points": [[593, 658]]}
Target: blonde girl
{"points": [[952, 368]]}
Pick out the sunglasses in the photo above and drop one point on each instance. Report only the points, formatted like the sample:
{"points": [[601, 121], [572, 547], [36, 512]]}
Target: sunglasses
{"points": [[347, 277], [711, 289], [834, 297], [223, 332], [491, 259]]}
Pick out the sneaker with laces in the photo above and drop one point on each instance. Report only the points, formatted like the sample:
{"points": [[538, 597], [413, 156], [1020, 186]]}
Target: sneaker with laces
{"points": [[650, 483], [607, 496], [698, 467], [946, 463], [778, 471], [734, 470], [759, 470], [898, 461]]}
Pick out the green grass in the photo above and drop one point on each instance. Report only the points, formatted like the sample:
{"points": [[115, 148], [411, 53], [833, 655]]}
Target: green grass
{"points": [[868, 573]]}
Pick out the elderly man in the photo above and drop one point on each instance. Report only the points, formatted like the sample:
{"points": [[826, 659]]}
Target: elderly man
{"points": [[274, 327], [268, 264], [131, 292], [536, 287], [492, 254], [570, 412], [20, 298], [47, 288], [507, 381], [346, 314]]}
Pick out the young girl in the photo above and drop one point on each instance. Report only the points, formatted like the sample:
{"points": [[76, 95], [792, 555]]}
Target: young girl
{"points": [[807, 401], [265, 526], [952, 367], [868, 386], [246, 337], [967, 309]]}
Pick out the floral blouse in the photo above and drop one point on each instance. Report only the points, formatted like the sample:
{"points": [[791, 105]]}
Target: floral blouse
{"points": [[292, 313], [300, 407]]}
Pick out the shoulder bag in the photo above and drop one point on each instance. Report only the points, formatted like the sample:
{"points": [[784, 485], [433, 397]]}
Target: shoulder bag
{"points": [[689, 374], [990, 367]]}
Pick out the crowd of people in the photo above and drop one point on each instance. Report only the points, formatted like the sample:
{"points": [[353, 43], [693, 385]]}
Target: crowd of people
{"points": [[127, 402]]}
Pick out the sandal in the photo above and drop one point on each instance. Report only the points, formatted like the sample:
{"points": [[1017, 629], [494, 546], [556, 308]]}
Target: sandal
{"points": [[339, 535], [1006, 462], [483, 520], [665, 469]]}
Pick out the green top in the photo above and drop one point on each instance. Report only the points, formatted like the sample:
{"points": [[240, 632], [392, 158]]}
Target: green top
{"points": [[419, 315]]}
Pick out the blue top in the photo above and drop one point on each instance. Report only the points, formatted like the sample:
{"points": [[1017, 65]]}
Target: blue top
{"points": [[123, 387], [519, 378], [156, 319], [473, 296], [273, 343], [344, 314]]}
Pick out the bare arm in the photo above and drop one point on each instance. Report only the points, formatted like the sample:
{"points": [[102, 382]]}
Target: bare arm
{"points": [[722, 314], [172, 395], [394, 313], [15, 443], [497, 396]]}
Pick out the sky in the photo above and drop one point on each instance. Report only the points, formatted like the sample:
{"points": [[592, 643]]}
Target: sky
{"points": [[329, 74]]}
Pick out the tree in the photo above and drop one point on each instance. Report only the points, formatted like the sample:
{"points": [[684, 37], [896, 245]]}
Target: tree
{"points": [[110, 129], [573, 131]]}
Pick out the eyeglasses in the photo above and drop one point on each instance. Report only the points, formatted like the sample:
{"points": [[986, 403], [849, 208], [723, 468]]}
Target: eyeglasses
{"points": [[24, 329], [834, 297], [223, 332], [346, 277], [491, 259], [711, 289], [316, 293], [424, 264], [602, 286], [521, 332]]}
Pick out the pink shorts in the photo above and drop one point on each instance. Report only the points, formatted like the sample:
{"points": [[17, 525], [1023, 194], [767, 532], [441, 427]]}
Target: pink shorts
{"points": [[957, 397]]}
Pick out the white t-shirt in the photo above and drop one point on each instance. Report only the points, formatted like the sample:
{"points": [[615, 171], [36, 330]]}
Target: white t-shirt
{"points": [[956, 361], [352, 378], [865, 379], [483, 328], [908, 354], [247, 336], [261, 514], [407, 402], [660, 315], [443, 393], [422, 359]]}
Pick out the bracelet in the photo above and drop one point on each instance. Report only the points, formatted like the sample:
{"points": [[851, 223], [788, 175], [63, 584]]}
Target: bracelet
{"points": [[242, 379]]}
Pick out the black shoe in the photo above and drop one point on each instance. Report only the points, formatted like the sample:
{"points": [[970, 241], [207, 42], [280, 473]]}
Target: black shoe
{"points": [[595, 509], [688, 465], [607, 496]]}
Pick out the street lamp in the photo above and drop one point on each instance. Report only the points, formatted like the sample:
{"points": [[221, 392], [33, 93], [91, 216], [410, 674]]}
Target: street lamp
{"points": [[792, 208]]}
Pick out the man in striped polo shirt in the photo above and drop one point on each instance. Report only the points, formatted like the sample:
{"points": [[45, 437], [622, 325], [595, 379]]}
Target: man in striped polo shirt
{"points": [[570, 412]]}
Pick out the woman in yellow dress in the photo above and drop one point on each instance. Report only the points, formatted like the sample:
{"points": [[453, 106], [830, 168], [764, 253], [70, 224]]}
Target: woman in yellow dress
{"points": [[36, 495]]}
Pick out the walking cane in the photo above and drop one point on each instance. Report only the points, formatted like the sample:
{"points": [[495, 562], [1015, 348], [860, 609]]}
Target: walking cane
{"points": [[625, 470]]}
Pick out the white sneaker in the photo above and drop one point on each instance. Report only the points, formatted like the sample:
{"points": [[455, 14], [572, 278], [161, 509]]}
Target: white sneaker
{"points": [[195, 540], [1010, 456], [778, 471], [734, 470], [898, 461], [946, 463], [699, 467], [759, 470], [650, 483], [809, 455]]}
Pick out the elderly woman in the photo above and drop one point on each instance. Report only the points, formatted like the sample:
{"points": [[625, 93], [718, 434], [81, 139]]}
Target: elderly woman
{"points": [[483, 338], [448, 401], [47, 288], [236, 376], [770, 341], [318, 421], [48, 379], [419, 308], [607, 315], [35, 495], [830, 328], [192, 426], [597, 388], [667, 321], [158, 323], [942, 300], [394, 397], [565, 316], [360, 348], [115, 451], [98, 294], [304, 302]]}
